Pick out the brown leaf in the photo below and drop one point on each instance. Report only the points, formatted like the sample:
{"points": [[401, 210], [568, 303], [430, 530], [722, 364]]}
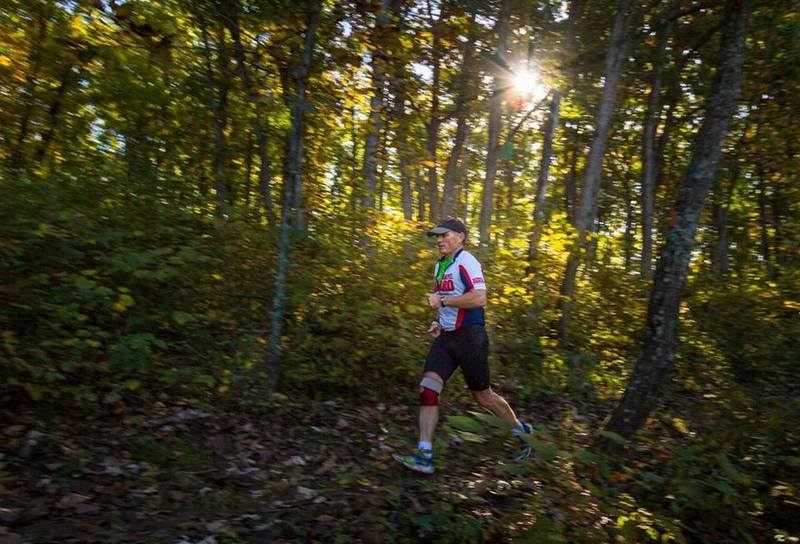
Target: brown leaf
{"points": [[71, 501], [89, 508], [177, 496], [327, 466], [9, 515]]}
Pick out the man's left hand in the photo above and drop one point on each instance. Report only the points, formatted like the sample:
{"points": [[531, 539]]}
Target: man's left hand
{"points": [[434, 300]]}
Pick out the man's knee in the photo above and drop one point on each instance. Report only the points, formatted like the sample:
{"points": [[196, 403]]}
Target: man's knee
{"points": [[429, 389]]}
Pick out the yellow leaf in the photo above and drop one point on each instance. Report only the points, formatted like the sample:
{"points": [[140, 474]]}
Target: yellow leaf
{"points": [[123, 303]]}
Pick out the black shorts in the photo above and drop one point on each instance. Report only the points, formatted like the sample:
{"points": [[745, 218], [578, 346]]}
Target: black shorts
{"points": [[467, 347]]}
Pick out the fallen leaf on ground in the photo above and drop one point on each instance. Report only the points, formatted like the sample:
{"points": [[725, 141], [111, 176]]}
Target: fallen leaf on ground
{"points": [[305, 492], [71, 501], [87, 508]]}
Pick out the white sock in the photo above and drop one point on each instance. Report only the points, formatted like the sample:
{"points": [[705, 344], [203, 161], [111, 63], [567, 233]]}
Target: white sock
{"points": [[520, 428], [427, 447]]}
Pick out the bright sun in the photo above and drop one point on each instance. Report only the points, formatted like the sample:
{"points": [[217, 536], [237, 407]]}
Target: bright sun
{"points": [[528, 84]]}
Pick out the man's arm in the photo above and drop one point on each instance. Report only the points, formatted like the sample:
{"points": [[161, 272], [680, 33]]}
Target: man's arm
{"points": [[474, 298]]}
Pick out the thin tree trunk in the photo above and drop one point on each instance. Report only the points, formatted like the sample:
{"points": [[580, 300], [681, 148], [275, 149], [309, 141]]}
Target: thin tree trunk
{"points": [[464, 95], [383, 166], [292, 182], [570, 188], [231, 19], [586, 214], [401, 144], [375, 122], [435, 122], [542, 180], [509, 180], [673, 95], [657, 358], [355, 188], [54, 112], [219, 110], [719, 256], [763, 220], [17, 156], [626, 185], [248, 171], [776, 203], [421, 193], [648, 153], [721, 259], [495, 127], [540, 204]]}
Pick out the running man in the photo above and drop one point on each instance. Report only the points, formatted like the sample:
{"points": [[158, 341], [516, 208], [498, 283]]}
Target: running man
{"points": [[460, 340]]}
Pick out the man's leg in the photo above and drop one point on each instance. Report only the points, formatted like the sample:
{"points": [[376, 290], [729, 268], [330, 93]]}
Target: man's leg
{"points": [[475, 365], [498, 406], [495, 404], [428, 410], [422, 459]]}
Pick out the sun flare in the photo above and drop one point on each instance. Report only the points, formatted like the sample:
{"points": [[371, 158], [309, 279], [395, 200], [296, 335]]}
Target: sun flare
{"points": [[528, 84]]}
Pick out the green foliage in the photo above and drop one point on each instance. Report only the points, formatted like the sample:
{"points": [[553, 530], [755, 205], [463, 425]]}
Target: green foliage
{"points": [[97, 304]]}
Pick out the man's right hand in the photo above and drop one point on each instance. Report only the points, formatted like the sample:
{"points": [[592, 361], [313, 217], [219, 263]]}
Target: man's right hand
{"points": [[435, 329]]}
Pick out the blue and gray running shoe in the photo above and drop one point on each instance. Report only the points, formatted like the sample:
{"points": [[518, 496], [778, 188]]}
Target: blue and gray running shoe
{"points": [[524, 448], [419, 461]]}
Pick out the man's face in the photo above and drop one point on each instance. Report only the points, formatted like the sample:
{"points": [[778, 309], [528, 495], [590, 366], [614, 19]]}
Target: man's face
{"points": [[449, 242]]}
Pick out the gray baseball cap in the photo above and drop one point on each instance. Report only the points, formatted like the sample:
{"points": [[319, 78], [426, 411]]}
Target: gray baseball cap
{"points": [[447, 224]]}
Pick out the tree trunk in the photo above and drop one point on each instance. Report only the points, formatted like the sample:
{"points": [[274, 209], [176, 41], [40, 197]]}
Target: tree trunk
{"points": [[543, 179], [763, 220], [231, 20], [421, 193], [509, 181], [648, 153], [401, 144], [17, 157], [375, 122], [586, 214], [383, 166], [570, 189], [721, 260], [54, 112], [355, 186], [776, 204], [495, 127], [673, 95], [465, 93], [219, 110], [626, 185], [291, 182], [433, 126], [248, 179], [657, 358]]}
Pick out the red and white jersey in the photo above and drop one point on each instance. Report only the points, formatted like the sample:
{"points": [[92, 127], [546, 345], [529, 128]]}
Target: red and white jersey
{"points": [[463, 275]]}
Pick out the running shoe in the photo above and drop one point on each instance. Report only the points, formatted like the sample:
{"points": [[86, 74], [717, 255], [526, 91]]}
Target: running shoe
{"points": [[417, 461], [524, 448]]}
